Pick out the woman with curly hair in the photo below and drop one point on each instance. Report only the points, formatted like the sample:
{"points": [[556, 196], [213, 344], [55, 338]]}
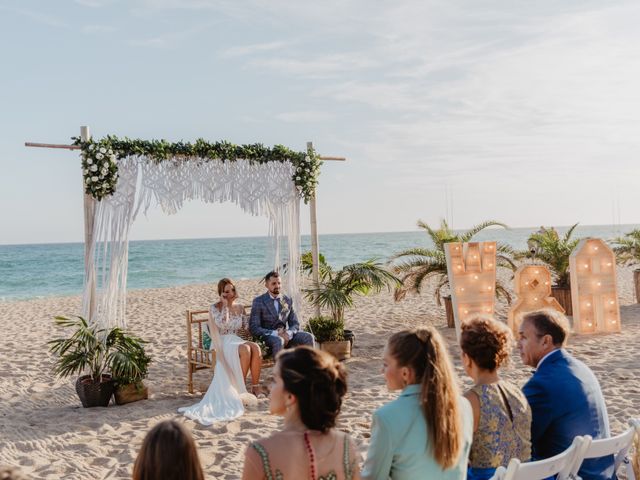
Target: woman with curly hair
{"points": [[501, 413]]}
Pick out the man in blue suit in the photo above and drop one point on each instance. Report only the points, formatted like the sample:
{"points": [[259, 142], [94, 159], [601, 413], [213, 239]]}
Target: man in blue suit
{"points": [[564, 394], [274, 320]]}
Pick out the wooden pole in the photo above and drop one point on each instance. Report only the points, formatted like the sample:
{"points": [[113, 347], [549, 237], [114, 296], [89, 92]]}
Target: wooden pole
{"points": [[315, 252], [89, 269]]}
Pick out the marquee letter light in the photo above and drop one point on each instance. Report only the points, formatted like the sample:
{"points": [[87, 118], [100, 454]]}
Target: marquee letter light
{"points": [[471, 268], [532, 284], [594, 288]]}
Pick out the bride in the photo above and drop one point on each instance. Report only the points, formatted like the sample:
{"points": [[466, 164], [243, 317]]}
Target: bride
{"points": [[234, 357]]}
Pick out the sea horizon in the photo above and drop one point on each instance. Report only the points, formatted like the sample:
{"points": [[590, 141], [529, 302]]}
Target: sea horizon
{"points": [[41, 270]]}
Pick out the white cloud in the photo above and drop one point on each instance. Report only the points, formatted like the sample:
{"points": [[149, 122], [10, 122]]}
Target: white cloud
{"points": [[308, 116], [94, 3], [37, 16], [247, 50], [97, 29]]}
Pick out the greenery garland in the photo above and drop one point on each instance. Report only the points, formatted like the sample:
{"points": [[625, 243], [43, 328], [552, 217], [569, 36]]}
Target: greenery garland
{"points": [[100, 156]]}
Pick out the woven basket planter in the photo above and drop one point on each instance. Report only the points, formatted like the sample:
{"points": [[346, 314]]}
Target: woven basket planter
{"points": [[94, 394]]}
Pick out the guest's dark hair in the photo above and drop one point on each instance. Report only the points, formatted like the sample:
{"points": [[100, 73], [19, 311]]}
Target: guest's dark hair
{"points": [[223, 283], [12, 473], [423, 351], [486, 341], [549, 322], [168, 453], [318, 381], [270, 275]]}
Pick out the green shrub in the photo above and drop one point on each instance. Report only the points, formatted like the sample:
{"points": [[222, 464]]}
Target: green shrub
{"points": [[326, 329]]}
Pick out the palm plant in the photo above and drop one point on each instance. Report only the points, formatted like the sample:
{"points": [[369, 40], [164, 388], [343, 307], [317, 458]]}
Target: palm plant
{"points": [[627, 248], [98, 351], [416, 265], [553, 250], [337, 288]]}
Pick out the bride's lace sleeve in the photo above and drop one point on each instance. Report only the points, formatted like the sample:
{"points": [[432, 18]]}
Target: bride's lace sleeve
{"points": [[219, 316]]}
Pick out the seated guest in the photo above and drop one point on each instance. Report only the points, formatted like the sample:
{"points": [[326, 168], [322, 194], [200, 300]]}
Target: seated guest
{"points": [[501, 414], [426, 432], [307, 391], [564, 394], [168, 453]]}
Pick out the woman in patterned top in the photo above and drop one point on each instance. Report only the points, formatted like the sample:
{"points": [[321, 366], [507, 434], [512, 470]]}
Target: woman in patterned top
{"points": [[307, 391], [501, 414]]}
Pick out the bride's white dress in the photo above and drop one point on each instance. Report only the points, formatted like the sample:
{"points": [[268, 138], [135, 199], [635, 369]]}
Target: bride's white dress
{"points": [[225, 396]]}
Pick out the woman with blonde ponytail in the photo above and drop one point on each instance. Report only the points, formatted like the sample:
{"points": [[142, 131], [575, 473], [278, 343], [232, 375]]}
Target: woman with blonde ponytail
{"points": [[426, 432]]}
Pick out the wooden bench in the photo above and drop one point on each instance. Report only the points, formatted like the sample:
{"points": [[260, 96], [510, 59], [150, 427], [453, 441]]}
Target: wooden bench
{"points": [[198, 357]]}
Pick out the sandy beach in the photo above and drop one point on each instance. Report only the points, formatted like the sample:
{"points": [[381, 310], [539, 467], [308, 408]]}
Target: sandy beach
{"points": [[45, 431]]}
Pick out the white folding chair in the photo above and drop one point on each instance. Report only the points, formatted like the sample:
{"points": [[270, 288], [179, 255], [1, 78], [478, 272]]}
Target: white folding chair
{"points": [[561, 464], [618, 446]]}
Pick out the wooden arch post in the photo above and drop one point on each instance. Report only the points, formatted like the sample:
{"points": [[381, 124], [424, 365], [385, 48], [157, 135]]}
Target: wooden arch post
{"points": [[315, 248]]}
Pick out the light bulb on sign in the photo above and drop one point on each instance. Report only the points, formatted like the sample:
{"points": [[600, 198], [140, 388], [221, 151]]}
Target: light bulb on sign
{"points": [[609, 264], [598, 283], [475, 277], [611, 302], [475, 256], [488, 288], [535, 298], [537, 272], [588, 304], [488, 310]]}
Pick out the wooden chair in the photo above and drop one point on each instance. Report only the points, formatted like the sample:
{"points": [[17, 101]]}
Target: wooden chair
{"points": [[562, 465], [198, 357], [618, 446]]}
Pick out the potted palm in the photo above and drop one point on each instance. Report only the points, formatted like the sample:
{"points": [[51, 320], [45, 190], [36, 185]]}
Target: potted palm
{"points": [[415, 265], [336, 292], [129, 367], [554, 250], [627, 250], [97, 353]]}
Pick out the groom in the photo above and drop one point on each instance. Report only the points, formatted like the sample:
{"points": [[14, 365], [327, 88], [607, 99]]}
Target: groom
{"points": [[274, 320]]}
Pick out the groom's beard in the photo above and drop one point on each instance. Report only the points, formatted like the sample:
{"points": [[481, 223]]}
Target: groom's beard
{"points": [[275, 292]]}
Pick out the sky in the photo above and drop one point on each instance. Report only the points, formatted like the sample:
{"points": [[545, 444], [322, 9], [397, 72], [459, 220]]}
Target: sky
{"points": [[520, 111]]}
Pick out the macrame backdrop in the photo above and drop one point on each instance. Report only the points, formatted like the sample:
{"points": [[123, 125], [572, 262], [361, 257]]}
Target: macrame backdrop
{"points": [[258, 188]]}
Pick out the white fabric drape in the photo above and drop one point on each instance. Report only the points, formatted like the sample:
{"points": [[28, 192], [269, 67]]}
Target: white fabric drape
{"points": [[259, 189]]}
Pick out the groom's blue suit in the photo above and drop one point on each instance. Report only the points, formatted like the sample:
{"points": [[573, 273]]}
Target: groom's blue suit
{"points": [[566, 401], [265, 321]]}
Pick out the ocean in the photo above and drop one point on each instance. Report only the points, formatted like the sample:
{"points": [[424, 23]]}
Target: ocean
{"points": [[41, 270]]}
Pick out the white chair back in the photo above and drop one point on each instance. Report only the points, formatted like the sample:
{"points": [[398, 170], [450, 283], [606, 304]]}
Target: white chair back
{"points": [[562, 465], [618, 446]]}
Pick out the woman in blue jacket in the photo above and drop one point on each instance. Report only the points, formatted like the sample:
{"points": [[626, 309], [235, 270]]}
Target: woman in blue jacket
{"points": [[426, 432]]}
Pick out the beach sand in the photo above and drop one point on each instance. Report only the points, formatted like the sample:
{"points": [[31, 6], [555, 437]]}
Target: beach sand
{"points": [[45, 431]]}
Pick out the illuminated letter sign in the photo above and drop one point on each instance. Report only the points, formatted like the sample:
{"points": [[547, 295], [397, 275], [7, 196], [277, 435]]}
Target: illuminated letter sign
{"points": [[593, 287], [471, 268], [533, 289]]}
